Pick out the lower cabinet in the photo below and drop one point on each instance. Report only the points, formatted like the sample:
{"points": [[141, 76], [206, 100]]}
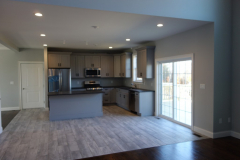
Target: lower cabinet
{"points": [[122, 98], [109, 95]]}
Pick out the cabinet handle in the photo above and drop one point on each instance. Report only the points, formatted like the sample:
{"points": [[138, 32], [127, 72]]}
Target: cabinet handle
{"points": [[124, 96], [141, 74], [123, 74], [60, 64]]}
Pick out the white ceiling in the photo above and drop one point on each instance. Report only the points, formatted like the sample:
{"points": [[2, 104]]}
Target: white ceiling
{"points": [[23, 28]]}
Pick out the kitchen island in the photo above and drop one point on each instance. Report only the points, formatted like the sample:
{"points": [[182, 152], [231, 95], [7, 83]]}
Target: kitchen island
{"points": [[76, 104]]}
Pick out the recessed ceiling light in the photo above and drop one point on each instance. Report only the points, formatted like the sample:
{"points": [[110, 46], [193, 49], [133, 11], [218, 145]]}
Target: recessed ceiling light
{"points": [[127, 39], [43, 35], [44, 45], [110, 47], [160, 25], [38, 14]]}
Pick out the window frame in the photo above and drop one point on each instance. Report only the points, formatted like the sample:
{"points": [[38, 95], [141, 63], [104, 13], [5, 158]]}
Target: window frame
{"points": [[134, 73]]}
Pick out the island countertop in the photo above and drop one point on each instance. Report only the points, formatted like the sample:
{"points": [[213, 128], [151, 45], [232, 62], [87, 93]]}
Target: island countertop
{"points": [[73, 93]]}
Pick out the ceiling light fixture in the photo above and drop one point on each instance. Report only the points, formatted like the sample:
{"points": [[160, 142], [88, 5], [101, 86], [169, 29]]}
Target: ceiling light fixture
{"points": [[110, 47], [44, 45], [43, 35], [38, 14], [160, 25], [127, 39]]}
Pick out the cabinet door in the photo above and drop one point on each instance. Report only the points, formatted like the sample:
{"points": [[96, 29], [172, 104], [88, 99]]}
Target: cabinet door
{"points": [[88, 62], [128, 66], [144, 63], [65, 61], [113, 95], [123, 65], [73, 66], [80, 66], [54, 61], [96, 61], [117, 66], [104, 66], [110, 66]]}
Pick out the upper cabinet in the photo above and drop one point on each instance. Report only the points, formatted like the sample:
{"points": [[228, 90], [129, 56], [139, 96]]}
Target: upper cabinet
{"points": [[59, 60], [126, 65], [145, 62], [92, 62], [77, 66], [106, 66], [117, 66]]}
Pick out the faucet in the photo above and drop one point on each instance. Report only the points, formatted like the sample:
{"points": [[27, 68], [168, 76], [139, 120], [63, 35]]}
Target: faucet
{"points": [[134, 85]]}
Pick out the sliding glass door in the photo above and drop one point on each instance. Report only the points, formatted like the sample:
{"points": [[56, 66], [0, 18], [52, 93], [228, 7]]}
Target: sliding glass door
{"points": [[175, 86]]}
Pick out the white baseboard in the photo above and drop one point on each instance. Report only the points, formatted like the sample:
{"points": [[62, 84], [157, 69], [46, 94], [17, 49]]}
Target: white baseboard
{"points": [[222, 134], [203, 132], [10, 108], [235, 134]]}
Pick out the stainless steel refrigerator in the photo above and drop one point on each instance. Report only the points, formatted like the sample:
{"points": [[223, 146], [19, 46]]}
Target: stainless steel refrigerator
{"points": [[59, 80]]}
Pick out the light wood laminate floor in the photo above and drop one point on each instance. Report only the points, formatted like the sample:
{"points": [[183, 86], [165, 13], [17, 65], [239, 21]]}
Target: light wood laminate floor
{"points": [[30, 135]]}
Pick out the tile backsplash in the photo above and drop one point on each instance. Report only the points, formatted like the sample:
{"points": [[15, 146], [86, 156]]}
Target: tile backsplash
{"points": [[103, 81]]}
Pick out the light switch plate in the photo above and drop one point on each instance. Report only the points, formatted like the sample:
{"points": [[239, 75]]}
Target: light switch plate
{"points": [[202, 86], [11, 82]]}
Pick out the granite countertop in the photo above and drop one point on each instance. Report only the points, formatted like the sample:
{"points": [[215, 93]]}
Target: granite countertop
{"points": [[130, 88], [73, 93], [121, 87]]}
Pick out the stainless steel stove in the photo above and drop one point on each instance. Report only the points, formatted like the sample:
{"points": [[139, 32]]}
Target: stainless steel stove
{"points": [[92, 86]]}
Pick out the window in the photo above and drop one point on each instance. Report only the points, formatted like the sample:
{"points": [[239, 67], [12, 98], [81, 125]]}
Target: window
{"points": [[135, 78]]}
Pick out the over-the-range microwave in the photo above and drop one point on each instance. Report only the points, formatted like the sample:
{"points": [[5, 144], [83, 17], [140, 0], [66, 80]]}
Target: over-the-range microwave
{"points": [[92, 72]]}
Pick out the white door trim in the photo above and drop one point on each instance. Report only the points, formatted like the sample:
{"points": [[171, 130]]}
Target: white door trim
{"points": [[157, 91], [20, 80]]}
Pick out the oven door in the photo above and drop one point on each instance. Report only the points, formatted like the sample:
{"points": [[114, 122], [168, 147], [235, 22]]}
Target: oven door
{"points": [[92, 72]]}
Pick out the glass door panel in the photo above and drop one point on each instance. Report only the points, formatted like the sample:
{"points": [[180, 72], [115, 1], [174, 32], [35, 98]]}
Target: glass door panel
{"points": [[167, 89], [183, 91]]}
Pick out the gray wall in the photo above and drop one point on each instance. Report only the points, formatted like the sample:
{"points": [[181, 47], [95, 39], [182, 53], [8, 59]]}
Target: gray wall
{"points": [[199, 41], [103, 81], [236, 67], [9, 72]]}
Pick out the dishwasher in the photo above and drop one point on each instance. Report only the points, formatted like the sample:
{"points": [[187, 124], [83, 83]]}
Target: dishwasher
{"points": [[133, 101]]}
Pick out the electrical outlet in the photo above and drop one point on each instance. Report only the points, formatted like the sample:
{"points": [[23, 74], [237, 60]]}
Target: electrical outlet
{"points": [[229, 120], [202, 86], [220, 120], [111, 81], [11, 82], [77, 82]]}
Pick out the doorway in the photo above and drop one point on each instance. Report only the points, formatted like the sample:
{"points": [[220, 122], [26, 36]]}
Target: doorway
{"points": [[174, 89], [32, 85]]}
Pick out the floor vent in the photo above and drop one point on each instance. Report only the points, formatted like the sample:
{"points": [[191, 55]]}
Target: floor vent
{"points": [[157, 117], [196, 135]]}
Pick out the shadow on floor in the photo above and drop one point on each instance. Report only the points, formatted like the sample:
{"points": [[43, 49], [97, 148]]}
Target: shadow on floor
{"points": [[7, 116]]}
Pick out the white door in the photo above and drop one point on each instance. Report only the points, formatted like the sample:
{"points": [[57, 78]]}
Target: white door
{"points": [[32, 85]]}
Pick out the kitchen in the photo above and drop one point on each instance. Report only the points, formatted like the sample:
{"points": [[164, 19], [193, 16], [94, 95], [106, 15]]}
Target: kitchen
{"points": [[99, 80], [64, 67]]}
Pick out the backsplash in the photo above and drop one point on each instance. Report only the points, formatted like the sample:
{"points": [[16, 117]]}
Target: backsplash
{"points": [[148, 83], [103, 81]]}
